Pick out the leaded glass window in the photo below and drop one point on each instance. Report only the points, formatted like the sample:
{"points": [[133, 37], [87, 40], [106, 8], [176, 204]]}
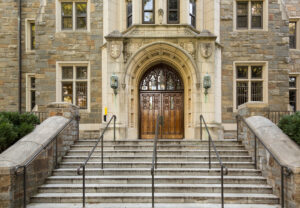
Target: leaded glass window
{"points": [[161, 78], [173, 11], [242, 14], [292, 28], [249, 14], [293, 92], [81, 15], [74, 15], [67, 15], [32, 36], [148, 11], [193, 13], [256, 14], [129, 13]]}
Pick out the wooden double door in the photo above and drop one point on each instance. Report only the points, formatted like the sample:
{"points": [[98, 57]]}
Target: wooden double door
{"points": [[168, 104]]}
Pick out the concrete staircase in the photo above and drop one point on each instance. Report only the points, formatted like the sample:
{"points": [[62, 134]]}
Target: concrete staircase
{"points": [[182, 178]]}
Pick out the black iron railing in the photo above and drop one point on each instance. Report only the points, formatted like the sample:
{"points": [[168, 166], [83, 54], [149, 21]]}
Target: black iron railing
{"points": [[159, 121], [31, 159], [282, 167], [224, 170], [101, 138], [275, 116]]}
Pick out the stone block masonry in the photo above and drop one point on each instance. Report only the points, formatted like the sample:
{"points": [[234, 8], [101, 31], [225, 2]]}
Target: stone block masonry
{"points": [[11, 183]]}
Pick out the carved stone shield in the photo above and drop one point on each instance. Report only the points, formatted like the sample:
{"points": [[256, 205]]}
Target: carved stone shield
{"points": [[115, 49], [206, 49]]}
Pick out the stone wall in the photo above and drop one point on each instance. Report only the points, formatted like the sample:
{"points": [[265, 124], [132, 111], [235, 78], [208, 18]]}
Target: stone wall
{"points": [[270, 45], [285, 150], [11, 182], [8, 55], [68, 46]]}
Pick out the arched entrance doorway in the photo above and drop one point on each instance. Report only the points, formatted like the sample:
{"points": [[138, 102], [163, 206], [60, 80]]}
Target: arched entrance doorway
{"points": [[161, 91]]}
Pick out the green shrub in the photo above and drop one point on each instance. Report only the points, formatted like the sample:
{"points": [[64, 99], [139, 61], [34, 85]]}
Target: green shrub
{"points": [[14, 126], [290, 125]]}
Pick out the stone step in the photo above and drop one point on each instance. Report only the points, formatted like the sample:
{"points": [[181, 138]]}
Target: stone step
{"points": [[158, 179], [159, 188], [85, 152], [159, 142], [164, 158], [159, 198], [159, 147], [148, 205], [161, 171], [243, 165]]}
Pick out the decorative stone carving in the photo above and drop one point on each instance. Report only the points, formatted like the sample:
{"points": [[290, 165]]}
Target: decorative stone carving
{"points": [[206, 49], [189, 47], [160, 15], [115, 49]]}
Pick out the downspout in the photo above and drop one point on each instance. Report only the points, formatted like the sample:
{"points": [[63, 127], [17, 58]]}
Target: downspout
{"points": [[20, 54]]}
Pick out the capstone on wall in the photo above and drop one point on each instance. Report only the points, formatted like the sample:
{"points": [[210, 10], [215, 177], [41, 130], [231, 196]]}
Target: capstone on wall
{"points": [[269, 45]]}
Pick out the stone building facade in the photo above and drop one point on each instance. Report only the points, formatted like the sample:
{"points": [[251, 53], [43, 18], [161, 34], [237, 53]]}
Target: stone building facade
{"points": [[73, 50]]}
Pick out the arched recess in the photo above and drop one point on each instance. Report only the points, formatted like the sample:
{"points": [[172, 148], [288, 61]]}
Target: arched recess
{"points": [[145, 58]]}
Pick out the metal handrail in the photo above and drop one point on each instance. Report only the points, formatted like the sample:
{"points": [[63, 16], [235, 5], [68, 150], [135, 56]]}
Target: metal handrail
{"points": [[224, 170], [154, 157], [32, 158], [282, 167], [101, 138]]}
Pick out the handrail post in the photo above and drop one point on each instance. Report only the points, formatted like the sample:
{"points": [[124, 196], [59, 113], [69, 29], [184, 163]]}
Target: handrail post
{"points": [[115, 128], [102, 151], [24, 185], [222, 185], [209, 159], [83, 186], [152, 173], [56, 165], [255, 151], [282, 187], [237, 127], [200, 128]]}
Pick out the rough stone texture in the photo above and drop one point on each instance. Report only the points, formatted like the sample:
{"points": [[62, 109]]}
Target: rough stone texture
{"points": [[284, 149], [270, 46], [11, 183]]}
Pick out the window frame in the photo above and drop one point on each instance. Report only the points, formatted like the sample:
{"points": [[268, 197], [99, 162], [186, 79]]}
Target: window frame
{"points": [[250, 80], [191, 15], [129, 15], [143, 13], [29, 90], [172, 10], [296, 89], [28, 36], [295, 34], [80, 16], [264, 16], [59, 16], [74, 81]]}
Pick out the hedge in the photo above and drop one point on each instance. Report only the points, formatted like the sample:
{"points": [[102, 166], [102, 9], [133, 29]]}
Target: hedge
{"points": [[290, 125], [14, 126]]}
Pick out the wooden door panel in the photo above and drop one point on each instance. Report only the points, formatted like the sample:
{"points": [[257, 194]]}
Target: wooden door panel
{"points": [[150, 107], [173, 115]]}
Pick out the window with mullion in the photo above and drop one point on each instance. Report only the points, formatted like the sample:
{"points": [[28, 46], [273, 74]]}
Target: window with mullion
{"points": [[148, 11], [193, 13], [75, 85], [129, 13], [32, 36], [292, 34], [249, 84], [173, 11]]}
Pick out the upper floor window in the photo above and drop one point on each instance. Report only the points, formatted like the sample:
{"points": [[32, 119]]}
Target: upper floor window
{"points": [[30, 92], [192, 13], [293, 92], [30, 35], [173, 11], [249, 14], [74, 15], [148, 11], [292, 26], [129, 13]]}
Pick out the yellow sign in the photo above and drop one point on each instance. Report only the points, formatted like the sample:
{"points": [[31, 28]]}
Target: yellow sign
{"points": [[105, 111]]}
